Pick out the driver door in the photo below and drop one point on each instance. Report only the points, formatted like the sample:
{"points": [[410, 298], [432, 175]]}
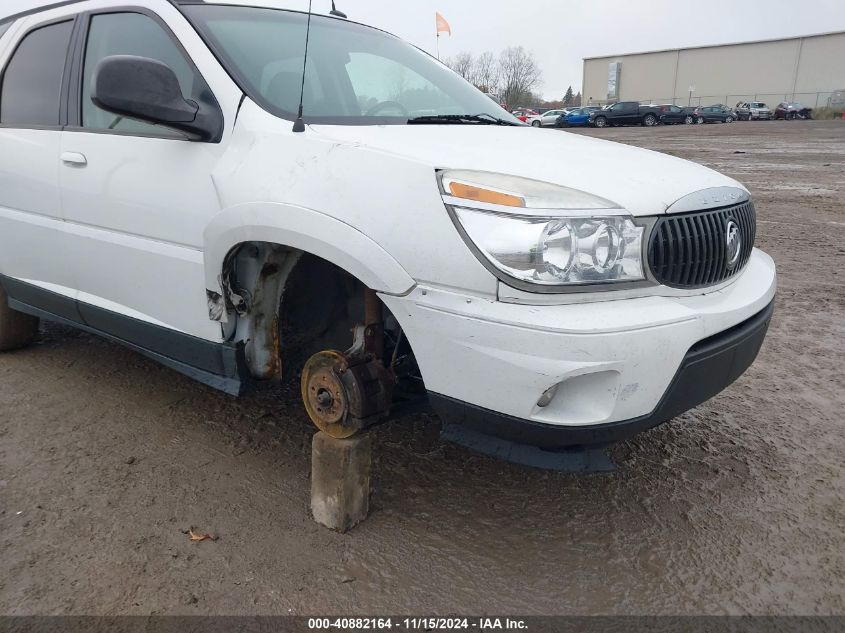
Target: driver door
{"points": [[137, 197], [617, 113]]}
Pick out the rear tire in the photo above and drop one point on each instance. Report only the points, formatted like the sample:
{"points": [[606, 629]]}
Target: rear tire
{"points": [[600, 122], [689, 120], [700, 120], [16, 328], [649, 120], [535, 124]]}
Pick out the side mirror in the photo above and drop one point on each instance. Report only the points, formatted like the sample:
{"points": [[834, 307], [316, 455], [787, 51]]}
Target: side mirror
{"points": [[148, 90]]}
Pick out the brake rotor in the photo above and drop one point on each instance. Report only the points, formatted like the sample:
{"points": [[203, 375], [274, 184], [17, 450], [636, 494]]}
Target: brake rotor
{"points": [[325, 397]]}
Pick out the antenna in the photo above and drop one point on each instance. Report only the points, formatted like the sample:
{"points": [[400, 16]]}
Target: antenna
{"points": [[299, 124], [336, 13]]}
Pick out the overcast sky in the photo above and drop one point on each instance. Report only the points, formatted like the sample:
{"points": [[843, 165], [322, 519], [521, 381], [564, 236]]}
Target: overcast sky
{"points": [[562, 32]]}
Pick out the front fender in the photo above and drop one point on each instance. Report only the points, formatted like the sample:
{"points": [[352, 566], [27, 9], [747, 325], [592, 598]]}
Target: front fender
{"points": [[309, 231]]}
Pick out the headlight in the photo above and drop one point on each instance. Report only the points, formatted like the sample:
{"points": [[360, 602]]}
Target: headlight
{"points": [[581, 240]]}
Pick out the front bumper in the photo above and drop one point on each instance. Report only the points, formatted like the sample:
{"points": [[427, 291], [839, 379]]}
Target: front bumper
{"points": [[618, 366], [708, 367]]}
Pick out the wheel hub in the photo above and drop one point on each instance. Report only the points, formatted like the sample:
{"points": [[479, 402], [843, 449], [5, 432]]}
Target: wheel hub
{"points": [[324, 398], [344, 394], [324, 395]]}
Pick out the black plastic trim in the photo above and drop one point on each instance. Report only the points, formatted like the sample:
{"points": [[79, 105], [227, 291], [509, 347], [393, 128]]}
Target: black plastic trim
{"points": [[219, 365], [59, 305], [67, 73], [74, 94], [708, 367]]}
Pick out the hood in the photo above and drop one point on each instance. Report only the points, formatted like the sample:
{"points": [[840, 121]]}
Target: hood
{"points": [[642, 181]]}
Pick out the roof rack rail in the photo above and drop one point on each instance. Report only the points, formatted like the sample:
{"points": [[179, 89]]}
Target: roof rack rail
{"points": [[63, 3], [34, 10]]}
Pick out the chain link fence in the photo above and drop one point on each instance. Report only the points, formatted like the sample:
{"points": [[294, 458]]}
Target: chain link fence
{"points": [[828, 99]]}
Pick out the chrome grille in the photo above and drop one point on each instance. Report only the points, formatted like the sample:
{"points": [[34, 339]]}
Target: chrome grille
{"points": [[691, 250]]}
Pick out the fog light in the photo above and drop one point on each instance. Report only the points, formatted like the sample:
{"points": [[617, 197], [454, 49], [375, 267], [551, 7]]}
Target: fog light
{"points": [[547, 397]]}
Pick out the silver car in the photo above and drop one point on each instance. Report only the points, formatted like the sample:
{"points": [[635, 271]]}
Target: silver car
{"points": [[750, 110]]}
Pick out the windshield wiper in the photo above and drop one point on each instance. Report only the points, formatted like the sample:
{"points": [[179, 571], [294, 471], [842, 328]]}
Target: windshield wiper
{"points": [[460, 119]]}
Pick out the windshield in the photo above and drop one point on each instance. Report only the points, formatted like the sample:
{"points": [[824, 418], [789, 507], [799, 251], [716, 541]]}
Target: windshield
{"points": [[356, 75]]}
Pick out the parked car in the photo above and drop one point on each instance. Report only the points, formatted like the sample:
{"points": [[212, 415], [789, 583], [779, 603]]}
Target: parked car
{"points": [[549, 118], [523, 114], [578, 117], [753, 111], [625, 113], [714, 114], [791, 111], [671, 114], [152, 191]]}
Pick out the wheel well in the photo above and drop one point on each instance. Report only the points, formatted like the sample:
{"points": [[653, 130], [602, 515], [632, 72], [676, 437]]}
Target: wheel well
{"points": [[319, 306], [285, 304]]}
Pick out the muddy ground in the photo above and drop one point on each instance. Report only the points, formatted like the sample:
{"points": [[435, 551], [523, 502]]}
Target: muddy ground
{"points": [[736, 507]]}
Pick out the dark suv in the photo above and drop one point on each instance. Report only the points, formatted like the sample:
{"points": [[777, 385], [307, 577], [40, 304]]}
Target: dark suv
{"points": [[672, 114], [714, 114]]}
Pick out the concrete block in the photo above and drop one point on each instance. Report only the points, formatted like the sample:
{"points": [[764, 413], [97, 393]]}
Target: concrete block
{"points": [[340, 480]]}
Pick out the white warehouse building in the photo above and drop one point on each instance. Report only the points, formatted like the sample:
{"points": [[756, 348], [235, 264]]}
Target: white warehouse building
{"points": [[808, 69]]}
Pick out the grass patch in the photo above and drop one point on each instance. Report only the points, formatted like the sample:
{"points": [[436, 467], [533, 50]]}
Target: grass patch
{"points": [[826, 114]]}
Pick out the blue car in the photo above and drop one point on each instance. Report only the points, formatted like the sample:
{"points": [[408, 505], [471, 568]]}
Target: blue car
{"points": [[577, 117]]}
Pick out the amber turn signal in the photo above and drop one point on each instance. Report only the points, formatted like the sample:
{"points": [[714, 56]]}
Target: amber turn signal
{"points": [[479, 194]]}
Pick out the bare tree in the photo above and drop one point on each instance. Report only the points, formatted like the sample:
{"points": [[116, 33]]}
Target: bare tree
{"points": [[463, 64], [486, 75], [520, 74]]}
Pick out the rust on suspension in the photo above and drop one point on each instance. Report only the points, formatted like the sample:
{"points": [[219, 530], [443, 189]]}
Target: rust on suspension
{"points": [[346, 392]]}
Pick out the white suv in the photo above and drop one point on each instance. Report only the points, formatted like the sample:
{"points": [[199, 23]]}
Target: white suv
{"points": [[387, 242]]}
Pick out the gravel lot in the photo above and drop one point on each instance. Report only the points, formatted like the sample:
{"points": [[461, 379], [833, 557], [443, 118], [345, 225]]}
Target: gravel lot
{"points": [[736, 507]]}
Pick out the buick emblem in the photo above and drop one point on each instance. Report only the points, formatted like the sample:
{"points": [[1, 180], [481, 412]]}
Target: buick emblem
{"points": [[733, 243]]}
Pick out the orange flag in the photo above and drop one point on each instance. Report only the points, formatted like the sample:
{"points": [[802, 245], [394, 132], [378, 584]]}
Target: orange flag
{"points": [[442, 25]]}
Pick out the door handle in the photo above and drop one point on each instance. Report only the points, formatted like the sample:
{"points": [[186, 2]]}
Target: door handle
{"points": [[74, 158]]}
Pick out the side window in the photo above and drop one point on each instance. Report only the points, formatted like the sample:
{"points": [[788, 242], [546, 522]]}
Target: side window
{"points": [[32, 81], [131, 34]]}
